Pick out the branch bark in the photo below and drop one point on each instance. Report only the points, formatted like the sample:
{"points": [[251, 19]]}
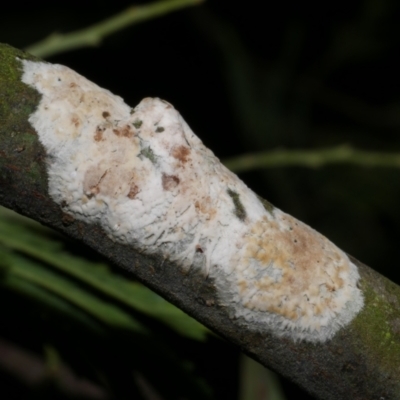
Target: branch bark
{"points": [[361, 361]]}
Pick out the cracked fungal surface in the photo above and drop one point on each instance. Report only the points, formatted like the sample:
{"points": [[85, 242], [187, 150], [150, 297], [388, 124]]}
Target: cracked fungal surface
{"points": [[149, 181]]}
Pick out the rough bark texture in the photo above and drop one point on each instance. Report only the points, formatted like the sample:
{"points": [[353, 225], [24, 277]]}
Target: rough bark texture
{"points": [[361, 362]]}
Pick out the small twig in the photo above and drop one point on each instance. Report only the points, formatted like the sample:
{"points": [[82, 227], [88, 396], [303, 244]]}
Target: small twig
{"points": [[343, 154], [93, 35]]}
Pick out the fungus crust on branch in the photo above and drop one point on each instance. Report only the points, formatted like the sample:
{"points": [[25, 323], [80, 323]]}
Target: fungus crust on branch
{"points": [[149, 181]]}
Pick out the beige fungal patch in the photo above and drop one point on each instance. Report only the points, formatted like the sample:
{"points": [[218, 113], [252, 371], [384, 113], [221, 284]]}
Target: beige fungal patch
{"points": [[298, 270], [205, 207], [149, 182], [292, 277]]}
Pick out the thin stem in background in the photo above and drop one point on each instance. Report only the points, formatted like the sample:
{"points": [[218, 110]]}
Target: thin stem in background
{"points": [[343, 154], [93, 35]]}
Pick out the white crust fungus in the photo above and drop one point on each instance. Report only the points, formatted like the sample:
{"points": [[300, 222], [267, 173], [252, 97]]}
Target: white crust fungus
{"points": [[149, 182]]}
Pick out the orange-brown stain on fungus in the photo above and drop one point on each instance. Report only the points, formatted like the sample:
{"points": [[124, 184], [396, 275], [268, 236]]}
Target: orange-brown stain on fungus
{"points": [[111, 181], [124, 131], [181, 153], [75, 121], [98, 135], [205, 206], [92, 181], [133, 191]]}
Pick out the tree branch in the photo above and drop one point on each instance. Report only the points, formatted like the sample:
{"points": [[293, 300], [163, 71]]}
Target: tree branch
{"points": [[346, 345]]}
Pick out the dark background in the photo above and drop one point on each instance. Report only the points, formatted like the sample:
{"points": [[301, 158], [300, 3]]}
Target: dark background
{"points": [[255, 76]]}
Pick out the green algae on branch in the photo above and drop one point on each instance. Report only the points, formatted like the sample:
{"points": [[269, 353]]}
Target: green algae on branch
{"points": [[11, 86], [267, 205], [240, 211], [19, 145], [148, 153], [377, 327], [137, 123]]}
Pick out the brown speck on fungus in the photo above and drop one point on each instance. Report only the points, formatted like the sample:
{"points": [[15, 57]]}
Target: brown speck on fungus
{"points": [[75, 121], [169, 182], [98, 136], [93, 178], [168, 105], [125, 131], [133, 191], [105, 114], [181, 153], [199, 249], [206, 207], [67, 219], [160, 129], [93, 191]]}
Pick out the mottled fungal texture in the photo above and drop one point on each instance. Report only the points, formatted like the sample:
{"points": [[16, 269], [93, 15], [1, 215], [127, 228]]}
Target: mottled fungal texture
{"points": [[146, 178]]}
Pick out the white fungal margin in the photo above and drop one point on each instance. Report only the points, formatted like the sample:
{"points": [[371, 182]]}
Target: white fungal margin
{"points": [[150, 182]]}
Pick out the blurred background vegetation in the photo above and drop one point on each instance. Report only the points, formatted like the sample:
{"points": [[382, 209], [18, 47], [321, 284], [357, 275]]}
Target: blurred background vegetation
{"points": [[304, 83]]}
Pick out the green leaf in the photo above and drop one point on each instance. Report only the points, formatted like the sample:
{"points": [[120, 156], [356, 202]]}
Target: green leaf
{"points": [[34, 273], [258, 382], [36, 242], [38, 294]]}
